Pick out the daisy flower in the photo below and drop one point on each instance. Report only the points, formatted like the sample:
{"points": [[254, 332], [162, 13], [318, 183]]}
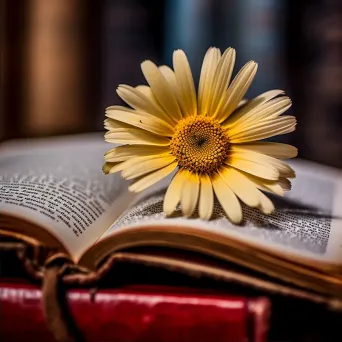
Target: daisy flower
{"points": [[211, 140]]}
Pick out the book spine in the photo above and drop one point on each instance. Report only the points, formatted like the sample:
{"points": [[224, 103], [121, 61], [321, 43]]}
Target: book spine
{"points": [[134, 314], [54, 70]]}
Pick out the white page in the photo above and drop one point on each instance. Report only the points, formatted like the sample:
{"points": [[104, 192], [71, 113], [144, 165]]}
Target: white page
{"points": [[58, 183], [302, 224]]}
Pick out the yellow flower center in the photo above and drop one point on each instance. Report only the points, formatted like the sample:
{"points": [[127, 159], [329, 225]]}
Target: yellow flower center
{"points": [[199, 144]]}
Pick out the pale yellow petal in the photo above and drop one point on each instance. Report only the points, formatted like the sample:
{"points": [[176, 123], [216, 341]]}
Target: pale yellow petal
{"points": [[108, 167], [242, 103], [135, 136], [284, 169], [118, 107], [237, 90], [206, 199], [267, 185], [142, 120], [110, 124], [227, 199], [122, 153], [144, 182], [173, 193], [269, 110], [285, 183], [241, 186], [251, 106], [266, 205], [145, 104], [170, 77], [139, 166], [185, 83], [147, 91], [264, 130], [209, 65], [190, 193], [161, 89], [221, 81], [276, 150], [256, 169]]}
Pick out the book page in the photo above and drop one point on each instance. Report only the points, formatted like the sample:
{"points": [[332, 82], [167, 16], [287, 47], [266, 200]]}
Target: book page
{"points": [[58, 183], [307, 221]]}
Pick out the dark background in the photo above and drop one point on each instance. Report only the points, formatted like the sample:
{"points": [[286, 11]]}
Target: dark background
{"points": [[61, 60]]}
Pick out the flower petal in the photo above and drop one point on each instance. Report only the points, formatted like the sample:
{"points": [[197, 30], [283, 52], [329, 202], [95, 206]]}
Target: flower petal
{"points": [[209, 65], [161, 89], [221, 81], [266, 206], [252, 167], [206, 199], [135, 136], [269, 110], [241, 186], [267, 185], [227, 198], [122, 153], [185, 82], [109, 168], [285, 183], [190, 191], [251, 106], [139, 101], [284, 169], [173, 193], [142, 120], [110, 124], [237, 90], [170, 77], [139, 166], [276, 150], [264, 129], [145, 181]]}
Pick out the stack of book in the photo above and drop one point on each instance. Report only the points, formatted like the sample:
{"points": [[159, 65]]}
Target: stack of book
{"points": [[55, 199]]}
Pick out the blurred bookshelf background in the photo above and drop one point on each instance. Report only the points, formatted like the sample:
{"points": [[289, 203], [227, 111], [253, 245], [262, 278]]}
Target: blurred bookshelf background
{"points": [[61, 60]]}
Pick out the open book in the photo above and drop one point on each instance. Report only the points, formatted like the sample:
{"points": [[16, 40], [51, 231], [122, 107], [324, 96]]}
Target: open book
{"points": [[53, 192]]}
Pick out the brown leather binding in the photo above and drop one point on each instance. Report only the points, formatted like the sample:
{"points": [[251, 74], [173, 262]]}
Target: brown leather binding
{"points": [[55, 306]]}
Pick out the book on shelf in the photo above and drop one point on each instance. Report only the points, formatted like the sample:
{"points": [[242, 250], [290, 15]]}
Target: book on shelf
{"points": [[144, 313], [53, 194]]}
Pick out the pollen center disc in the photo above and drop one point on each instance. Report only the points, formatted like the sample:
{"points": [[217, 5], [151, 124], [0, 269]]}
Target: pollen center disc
{"points": [[199, 144]]}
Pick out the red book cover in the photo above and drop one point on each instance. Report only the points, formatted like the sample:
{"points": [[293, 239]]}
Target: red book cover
{"points": [[139, 314]]}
